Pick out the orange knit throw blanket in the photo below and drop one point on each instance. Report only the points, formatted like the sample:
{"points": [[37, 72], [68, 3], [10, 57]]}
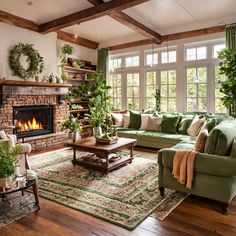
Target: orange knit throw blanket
{"points": [[183, 166]]}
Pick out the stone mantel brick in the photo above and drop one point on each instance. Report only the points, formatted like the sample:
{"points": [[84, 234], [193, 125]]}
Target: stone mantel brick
{"points": [[60, 111]]}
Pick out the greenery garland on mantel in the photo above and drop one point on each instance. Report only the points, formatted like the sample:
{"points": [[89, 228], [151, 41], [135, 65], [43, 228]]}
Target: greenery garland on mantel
{"points": [[35, 61]]}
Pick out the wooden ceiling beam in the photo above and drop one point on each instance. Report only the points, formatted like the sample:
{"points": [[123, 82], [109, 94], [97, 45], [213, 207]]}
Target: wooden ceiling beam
{"points": [[76, 40], [194, 33], [10, 19], [131, 23], [88, 14], [170, 37]]}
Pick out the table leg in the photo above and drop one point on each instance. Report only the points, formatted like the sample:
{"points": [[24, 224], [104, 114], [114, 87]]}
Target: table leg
{"points": [[107, 164], [36, 193], [74, 157]]}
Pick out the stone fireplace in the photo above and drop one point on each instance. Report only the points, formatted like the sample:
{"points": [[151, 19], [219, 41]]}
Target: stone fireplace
{"points": [[32, 120], [35, 113]]}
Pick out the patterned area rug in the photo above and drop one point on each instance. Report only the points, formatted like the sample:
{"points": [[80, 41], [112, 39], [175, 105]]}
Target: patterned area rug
{"points": [[124, 197], [21, 206]]}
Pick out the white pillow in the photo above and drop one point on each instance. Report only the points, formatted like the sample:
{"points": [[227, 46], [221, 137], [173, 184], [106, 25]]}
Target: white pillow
{"points": [[3, 134], [118, 118], [126, 120], [195, 126], [154, 123], [144, 121]]}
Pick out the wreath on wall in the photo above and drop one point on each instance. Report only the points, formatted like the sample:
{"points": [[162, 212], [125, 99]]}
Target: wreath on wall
{"points": [[33, 58]]}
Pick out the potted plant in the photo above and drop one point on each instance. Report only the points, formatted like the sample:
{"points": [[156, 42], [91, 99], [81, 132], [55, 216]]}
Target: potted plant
{"points": [[227, 67], [72, 125], [7, 162], [63, 59], [100, 109]]}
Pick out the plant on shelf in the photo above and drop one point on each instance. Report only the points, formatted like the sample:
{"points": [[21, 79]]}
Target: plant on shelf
{"points": [[7, 161], [100, 109], [33, 59], [78, 63], [63, 59], [72, 125], [227, 67]]}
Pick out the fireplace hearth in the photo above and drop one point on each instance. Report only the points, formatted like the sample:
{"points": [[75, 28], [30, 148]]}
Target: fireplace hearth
{"points": [[32, 120]]}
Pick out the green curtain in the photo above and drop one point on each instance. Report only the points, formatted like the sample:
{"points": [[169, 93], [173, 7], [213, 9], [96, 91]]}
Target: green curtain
{"points": [[103, 62], [230, 34]]}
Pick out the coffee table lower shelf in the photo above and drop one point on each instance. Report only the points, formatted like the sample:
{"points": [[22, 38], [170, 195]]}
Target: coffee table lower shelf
{"points": [[103, 166]]}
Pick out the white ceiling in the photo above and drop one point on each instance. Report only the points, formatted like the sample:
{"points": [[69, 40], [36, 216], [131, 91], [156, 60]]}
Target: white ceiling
{"points": [[164, 16]]}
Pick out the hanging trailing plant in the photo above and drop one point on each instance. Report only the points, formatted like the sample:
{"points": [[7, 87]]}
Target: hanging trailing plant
{"points": [[63, 58], [157, 96], [33, 58]]}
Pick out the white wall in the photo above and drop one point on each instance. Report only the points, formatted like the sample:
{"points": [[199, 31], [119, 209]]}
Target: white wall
{"points": [[47, 45]]}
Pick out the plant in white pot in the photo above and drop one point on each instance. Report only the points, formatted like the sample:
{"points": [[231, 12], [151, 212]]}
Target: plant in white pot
{"points": [[72, 125], [8, 159]]}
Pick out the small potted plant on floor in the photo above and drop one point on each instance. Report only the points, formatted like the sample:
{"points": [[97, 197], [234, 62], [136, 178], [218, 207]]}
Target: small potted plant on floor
{"points": [[72, 125], [8, 160]]}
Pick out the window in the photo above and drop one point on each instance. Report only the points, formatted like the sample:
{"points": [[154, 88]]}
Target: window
{"points": [[197, 89], [150, 89], [217, 48], [115, 83], [115, 63], [133, 90], [219, 107], [196, 53], [132, 61], [168, 57], [168, 90], [151, 59]]}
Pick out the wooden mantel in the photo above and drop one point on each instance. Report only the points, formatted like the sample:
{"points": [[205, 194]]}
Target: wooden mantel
{"points": [[33, 84]]}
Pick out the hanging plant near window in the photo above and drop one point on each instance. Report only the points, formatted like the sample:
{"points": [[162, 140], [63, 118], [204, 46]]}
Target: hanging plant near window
{"points": [[33, 59]]}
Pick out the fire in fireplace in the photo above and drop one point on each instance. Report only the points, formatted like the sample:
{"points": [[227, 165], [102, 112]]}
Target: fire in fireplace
{"points": [[32, 120]]}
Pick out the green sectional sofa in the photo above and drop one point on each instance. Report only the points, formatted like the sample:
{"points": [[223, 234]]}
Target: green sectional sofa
{"points": [[214, 170], [153, 139]]}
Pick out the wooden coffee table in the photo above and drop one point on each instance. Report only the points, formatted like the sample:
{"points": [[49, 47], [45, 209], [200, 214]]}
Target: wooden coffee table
{"points": [[102, 151]]}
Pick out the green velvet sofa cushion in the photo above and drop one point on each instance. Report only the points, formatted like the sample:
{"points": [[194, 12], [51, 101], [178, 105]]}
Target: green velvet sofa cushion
{"points": [[205, 163], [185, 122], [135, 119], [220, 139], [170, 123]]}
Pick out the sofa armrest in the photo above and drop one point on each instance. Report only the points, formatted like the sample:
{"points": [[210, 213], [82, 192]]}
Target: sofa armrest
{"points": [[204, 163]]}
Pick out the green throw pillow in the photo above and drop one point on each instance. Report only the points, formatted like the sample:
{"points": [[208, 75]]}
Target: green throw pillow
{"points": [[184, 124], [170, 123], [220, 140], [134, 120], [211, 123]]}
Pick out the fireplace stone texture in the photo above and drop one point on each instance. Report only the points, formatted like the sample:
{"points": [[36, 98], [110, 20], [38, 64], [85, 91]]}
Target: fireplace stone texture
{"points": [[60, 114]]}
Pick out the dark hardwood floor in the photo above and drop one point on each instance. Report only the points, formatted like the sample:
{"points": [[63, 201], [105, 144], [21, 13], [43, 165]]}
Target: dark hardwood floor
{"points": [[195, 216]]}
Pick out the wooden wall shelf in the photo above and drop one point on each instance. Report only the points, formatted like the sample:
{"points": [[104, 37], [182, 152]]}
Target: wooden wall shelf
{"points": [[33, 84], [79, 70]]}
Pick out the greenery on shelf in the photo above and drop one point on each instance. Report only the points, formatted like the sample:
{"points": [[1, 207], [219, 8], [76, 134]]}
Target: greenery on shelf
{"points": [[227, 67], [76, 107], [8, 159], [33, 58], [100, 110], [72, 124], [65, 52]]}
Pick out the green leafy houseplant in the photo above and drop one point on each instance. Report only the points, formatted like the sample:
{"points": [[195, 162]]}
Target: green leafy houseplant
{"points": [[8, 159], [100, 109], [157, 96], [227, 67], [63, 58], [72, 125]]}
